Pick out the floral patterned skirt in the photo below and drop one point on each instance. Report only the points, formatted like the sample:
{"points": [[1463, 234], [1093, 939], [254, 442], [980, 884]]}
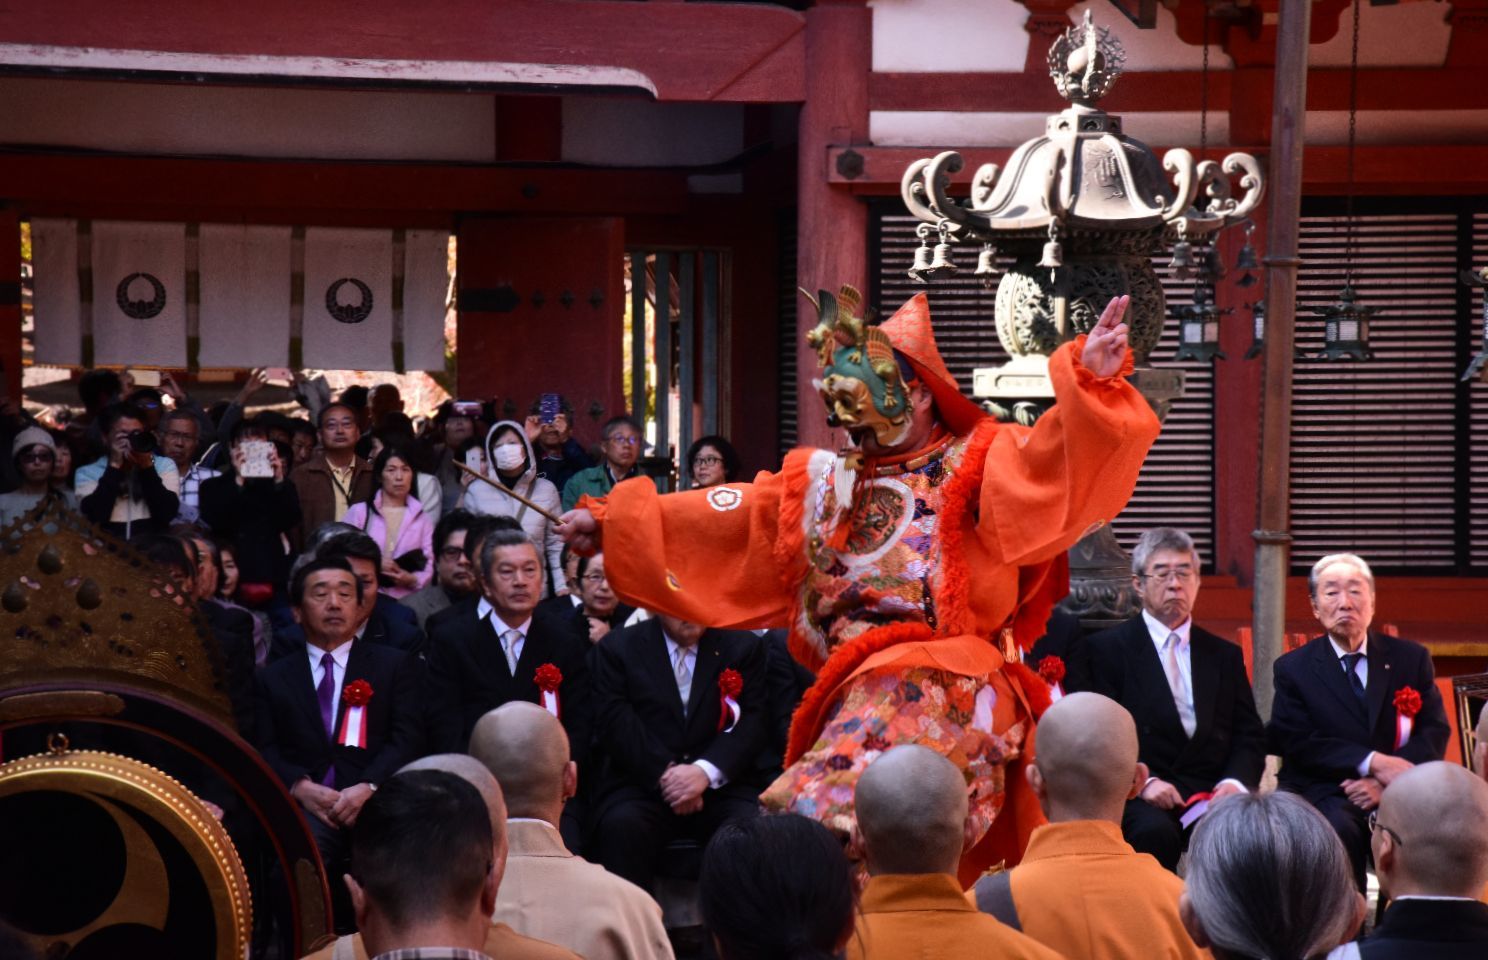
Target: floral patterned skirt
{"points": [[978, 724]]}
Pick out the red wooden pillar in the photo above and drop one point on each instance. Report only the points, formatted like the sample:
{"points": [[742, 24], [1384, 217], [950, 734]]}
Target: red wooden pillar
{"points": [[1237, 403], [832, 230], [541, 309], [10, 303]]}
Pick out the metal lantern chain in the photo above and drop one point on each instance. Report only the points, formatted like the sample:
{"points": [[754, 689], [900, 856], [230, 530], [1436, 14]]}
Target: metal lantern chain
{"points": [[1346, 320]]}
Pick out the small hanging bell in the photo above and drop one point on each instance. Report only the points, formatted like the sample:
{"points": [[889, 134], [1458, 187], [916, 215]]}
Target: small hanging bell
{"points": [[1249, 280], [984, 267], [921, 260], [1053, 255], [1183, 261], [1247, 258], [942, 262]]}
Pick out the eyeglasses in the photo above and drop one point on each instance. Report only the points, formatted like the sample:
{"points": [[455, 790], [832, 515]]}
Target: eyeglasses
{"points": [[623, 441], [452, 553], [38, 456], [594, 578], [1374, 825], [707, 461], [1164, 574]]}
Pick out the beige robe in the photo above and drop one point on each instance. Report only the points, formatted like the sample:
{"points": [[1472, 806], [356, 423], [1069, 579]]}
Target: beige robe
{"points": [[552, 895]]}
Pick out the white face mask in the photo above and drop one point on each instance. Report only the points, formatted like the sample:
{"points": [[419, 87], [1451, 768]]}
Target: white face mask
{"points": [[509, 456]]}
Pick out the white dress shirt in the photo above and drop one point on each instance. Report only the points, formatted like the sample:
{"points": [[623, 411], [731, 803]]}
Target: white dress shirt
{"points": [[716, 778], [1362, 669], [501, 628], [339, 656], [1160, 633]]}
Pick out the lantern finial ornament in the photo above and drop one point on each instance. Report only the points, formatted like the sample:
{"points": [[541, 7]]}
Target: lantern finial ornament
{"points": [[1085, 61]]}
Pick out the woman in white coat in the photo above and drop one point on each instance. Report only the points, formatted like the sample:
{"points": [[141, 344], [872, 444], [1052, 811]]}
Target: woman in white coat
{"points": [[511, 464]]}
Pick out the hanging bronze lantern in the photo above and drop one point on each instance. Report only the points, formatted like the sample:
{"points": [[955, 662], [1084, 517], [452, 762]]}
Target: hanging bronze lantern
{"points": [[1346, 328], [1198, 327], [1258, 314], [1478, 279]]}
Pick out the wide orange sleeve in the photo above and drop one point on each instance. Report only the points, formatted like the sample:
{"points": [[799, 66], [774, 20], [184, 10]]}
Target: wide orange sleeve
{"points": [[707, 556], [1044, 488]]}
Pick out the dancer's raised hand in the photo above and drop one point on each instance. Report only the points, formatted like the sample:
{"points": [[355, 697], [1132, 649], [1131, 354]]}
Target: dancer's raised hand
{"points": [[1106, 345]]}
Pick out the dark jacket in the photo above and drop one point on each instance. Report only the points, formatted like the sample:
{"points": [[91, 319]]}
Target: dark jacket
{"points": [[255, 517], [638, 712], [1229, 741], [142, 484], [294, 742], [468, 676], [1435, 929], [1322, 733], [313, 482], [1064, 638], [558, 470], [233, 632]]}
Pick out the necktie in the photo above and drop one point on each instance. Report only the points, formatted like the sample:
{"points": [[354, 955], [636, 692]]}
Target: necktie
{"points": [[1351, 667], [325, 692], [684, 677], [509, 647], [1182, 699]]}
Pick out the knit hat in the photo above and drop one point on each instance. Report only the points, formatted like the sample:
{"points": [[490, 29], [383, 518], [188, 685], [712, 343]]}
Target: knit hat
{"points": [[910, 332], [32, 437]]}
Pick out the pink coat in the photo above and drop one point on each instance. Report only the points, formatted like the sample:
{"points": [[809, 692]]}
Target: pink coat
{"points": [[417, 533]]}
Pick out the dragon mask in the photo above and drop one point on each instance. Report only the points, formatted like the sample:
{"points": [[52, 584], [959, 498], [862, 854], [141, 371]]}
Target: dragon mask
{"points": [[861, 382]]}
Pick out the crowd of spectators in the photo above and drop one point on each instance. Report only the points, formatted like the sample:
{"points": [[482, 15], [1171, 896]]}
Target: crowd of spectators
{"points": [[501, 757]]}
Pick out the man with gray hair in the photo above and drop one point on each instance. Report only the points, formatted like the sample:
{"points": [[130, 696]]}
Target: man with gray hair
{"points": [[1430, 845], [1353, 708], [912, 805], [1187, 691]]}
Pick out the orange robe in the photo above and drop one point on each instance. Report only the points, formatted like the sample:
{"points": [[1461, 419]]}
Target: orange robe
{"points": [[926, 915], [942, 555], [1083, 891]]}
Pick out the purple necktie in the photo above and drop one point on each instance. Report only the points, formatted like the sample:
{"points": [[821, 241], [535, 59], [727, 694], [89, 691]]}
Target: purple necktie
{"points": [[326, 693]]}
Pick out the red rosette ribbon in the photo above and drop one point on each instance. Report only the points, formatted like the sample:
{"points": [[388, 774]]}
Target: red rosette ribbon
{"points": [[730, 685], [548, 679], [353, 733], [1051, 669], [1407, 705]]}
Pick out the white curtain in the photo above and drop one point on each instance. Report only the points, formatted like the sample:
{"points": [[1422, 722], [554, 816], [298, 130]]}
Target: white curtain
{"points": [[245, 292], [139, 293]]}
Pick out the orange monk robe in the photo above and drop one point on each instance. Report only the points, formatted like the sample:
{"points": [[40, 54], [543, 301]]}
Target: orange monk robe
{"points": [[1083, 891], [926, 915], [738, 555]]}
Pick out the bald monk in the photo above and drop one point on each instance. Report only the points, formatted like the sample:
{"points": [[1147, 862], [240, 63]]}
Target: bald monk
{"points": [[501, 940], [1430, 845], [1081, 889], [911, 805], [549, 893]]}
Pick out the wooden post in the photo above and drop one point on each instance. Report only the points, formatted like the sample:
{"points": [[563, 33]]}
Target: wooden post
{"points": [[1272, 537], [832, 229]]}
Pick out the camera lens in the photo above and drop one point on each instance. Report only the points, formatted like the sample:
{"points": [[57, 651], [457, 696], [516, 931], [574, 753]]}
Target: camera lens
{"points": [[142, 441]]}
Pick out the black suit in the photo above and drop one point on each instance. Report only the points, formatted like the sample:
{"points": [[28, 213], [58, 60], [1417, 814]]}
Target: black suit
{"points": [[1064, 638], [1322, 732], [233, 631], [292, 736], [1229, 742], [643, 730], [1438, 929], [468, 675], [787, 683]]}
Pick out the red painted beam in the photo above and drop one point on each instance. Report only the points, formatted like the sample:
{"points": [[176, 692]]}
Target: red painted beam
{"points": [[691, 51], [1380, 89], [340, 193]]}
